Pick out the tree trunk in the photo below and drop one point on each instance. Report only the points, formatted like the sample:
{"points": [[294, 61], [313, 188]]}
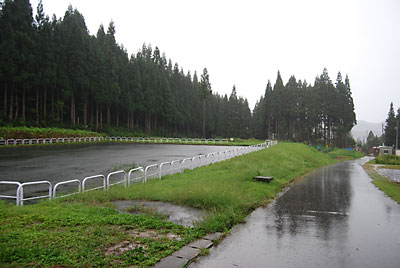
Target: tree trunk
{"points": [[133, 121], [23, 105], [72, 109], [97, 117], [52, 105], [117, 119], [5, 102], [58, 110], [101, 119], [128, 122], [148, 123], [44, 105], [16, 105], [204, 118], [37, 106], [91, 115], [108, 116], [85, 113], [62, 114], [10, 112]]}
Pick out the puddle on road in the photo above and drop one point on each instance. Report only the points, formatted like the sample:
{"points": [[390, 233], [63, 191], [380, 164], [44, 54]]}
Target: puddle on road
{"points": [[185, 216]]}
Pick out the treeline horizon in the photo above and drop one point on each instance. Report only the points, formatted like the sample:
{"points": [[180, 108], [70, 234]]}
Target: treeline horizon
{"points": [[54, 73], [322, 113]]}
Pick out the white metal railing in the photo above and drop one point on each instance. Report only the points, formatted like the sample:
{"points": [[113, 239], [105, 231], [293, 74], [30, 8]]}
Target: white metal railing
{"points": [[150, 171], [5, 142], [209, 158], [16, 196], [203, 160], [135, 171], [124, 181], [148, 174], [166, 171], [63, 183], [20, 191], [196, 160], [104, 186], [183, 164], [176, 166]]}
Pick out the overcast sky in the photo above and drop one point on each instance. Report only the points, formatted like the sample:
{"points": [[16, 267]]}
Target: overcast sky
{"points": [[246, 42]]}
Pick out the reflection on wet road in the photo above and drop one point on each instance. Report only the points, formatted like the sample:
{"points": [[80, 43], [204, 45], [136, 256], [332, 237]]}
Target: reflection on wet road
{"points": [[334, 217]]}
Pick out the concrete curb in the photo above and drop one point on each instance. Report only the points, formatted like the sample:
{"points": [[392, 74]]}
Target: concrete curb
{"points": [[187, 253]]}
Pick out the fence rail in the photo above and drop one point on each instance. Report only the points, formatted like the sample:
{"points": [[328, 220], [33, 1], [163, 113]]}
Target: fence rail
{"points": [[133, 171], [63, 183], [104, 186], [124, 181], [15, 142], [20, 191], [156, 170]]}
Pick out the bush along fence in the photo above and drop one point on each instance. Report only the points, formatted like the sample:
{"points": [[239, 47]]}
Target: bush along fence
{"points": [[139, 174], [6, 142]]}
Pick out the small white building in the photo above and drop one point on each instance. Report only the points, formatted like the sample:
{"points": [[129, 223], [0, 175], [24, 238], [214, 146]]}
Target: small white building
{"points": [[385, 150]]}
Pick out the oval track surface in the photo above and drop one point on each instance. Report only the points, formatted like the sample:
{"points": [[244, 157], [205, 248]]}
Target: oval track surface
{"points": [[77, 161]]}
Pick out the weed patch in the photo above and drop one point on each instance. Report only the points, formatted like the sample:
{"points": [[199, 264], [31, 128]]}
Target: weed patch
{"points": [[388, 159]]}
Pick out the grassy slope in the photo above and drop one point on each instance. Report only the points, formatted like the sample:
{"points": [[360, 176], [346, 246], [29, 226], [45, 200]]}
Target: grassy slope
{"points": [[35, 132], [77, 231]]}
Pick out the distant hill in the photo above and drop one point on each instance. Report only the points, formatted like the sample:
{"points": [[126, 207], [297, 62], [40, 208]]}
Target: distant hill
{"points": [[361, 130]]}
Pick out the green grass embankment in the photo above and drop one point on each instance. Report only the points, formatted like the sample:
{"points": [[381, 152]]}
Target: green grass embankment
{"points": [[36, 132], [392, 189], [81, 230]]}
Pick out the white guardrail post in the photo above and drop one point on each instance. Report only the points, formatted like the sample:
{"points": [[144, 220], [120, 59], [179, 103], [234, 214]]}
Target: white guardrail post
{"points": [[16, 197], [138, 169], [161, 166], [21, 191], [183, 164], [209, 158], [92, 178], [124, 181], [66, 182], [146, 172], [177, 169]]}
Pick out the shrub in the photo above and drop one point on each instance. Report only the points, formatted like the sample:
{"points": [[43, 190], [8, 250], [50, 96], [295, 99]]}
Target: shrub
{"points": [[388, 159]]}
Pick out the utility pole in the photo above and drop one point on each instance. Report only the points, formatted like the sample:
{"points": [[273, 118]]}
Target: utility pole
{"points": [[397, 136]]}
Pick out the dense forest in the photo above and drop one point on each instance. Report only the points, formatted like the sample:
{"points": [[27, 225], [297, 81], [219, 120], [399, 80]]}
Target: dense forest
{"points": [[391, 134], [53, 72], [297, 111]]}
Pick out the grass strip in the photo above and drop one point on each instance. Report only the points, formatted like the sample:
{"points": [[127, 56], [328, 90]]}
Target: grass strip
{"points": [[84, 230], [36, 133], [390, 188]]}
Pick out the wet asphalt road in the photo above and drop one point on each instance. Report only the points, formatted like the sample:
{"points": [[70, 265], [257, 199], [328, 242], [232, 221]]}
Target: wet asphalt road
{"points": [[334, 217], [77, 161]]}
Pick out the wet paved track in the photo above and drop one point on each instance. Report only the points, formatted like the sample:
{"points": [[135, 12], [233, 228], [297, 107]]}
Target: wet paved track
{"points": [[334, 217], [77, 161]]}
